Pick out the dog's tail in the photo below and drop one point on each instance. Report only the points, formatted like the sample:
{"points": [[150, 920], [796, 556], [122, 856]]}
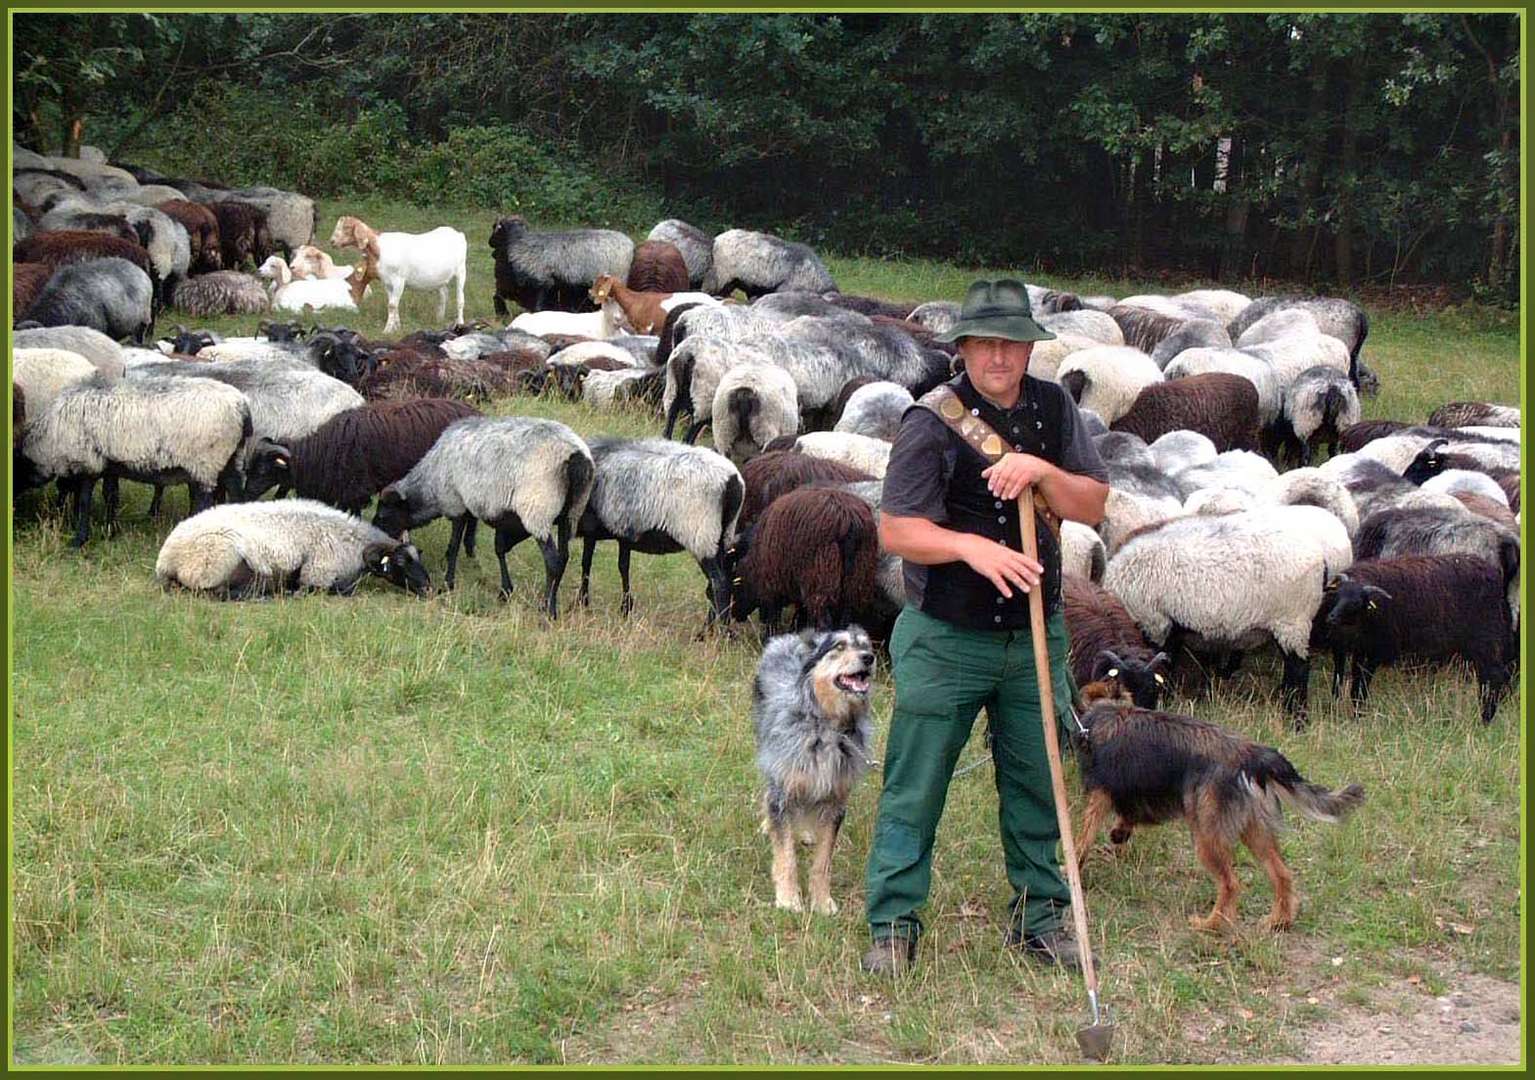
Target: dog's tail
{"points": [[1272, 775]]}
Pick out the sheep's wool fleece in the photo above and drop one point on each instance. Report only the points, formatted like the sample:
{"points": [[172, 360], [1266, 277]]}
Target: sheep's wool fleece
{"points": [[875, 410], [95, 346], [601, 388], [1116, 374], [777, 411], [43, 374], [670, 487], [146, 426], [1203, 361], [857, 451], [274, 539], [488, 466], [1232, 578]]}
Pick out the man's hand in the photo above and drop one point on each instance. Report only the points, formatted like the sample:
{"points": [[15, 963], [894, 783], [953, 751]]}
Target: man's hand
{"points": [[1000, 564], [1014, 472]]}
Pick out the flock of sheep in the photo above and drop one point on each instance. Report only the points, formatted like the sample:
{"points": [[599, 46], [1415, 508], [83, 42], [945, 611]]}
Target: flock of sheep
{"points": [[1207, 407]]}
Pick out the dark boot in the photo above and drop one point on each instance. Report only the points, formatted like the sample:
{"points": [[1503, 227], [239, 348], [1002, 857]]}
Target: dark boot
{"points": [[890, 956]]}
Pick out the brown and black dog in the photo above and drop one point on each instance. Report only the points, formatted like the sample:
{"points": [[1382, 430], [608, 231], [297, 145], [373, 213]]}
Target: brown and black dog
{"points": [[1149, 767]]}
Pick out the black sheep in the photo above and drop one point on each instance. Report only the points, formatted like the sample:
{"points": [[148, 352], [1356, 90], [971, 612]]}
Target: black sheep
{"points": [[1418, 607], [1104, 638]]}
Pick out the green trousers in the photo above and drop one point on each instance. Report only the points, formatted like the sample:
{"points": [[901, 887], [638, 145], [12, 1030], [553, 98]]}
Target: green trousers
{"points": [[944, 675]]}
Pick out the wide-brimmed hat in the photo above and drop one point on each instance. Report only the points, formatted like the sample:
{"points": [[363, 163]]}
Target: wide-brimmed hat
{"points": [[998, 309]]}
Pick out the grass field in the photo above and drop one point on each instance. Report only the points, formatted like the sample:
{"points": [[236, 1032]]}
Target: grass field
{"points": [[380, 829]]}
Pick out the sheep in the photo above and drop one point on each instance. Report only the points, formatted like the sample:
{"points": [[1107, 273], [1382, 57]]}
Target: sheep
{"points": [[94, 175], [354, 454], [714, 320], [243, 234], [290, 219], [1092, 423], [1083, 551], [1223, 304], [1341, 319], [1124, 448], [641, 312], [816, 549], [1494, 510], [777, 472], [1280, 323], [1232, 468], [1169, 306], [1097, 326], [1221, 500], [1194, 334], [27, 280], [153, 430], [64, 247], [881, 351], [1399, 530], [1144, 328], [222, 292], [1315, 407], [867, 455], [1234, 580], [429, 260], [110, 295], [1354, 437], [1178, 450], [1311, 487], [21, 226], [1474, 413], [297, 294], [521, 476], [1418, 607], [657, 497], [1452, 481], [151, 195], [43, 374], [166, 240], [1125, 512], [659, 267], [695, 246], [249, 549], [1398, 451], [285, 404], [202, 227], [553, 270], [1107, 378], [1046, 359], [1103, 637], [875, 410], [759, 263], [939, 316], [797, 303], [1220, 406], [95, 346], [1293, 355], [607, 389], [754, 404], [32, 186]]}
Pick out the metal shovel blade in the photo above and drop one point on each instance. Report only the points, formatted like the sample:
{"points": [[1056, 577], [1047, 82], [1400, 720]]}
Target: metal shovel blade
{"points": [[1094, 1041]]}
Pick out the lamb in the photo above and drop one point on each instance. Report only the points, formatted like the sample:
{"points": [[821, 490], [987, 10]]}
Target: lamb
{"points": [[543, 270], [695, 246], [875, 410], [522, 476], [153, 430], [1315, 407], [27, 280], [754, 404], [867, 455], [1083, 551], [759, 263], [222, 292], [109, 295], [1194, 334], [250, 549], [1418, 607], [659, 267], [1234, 580], [1108, 378], [354, 454], [816, 549], [243, 234], [429, 260], [202, 227], [778, 472], [1222, 407], [642, 312], [295, 294], [1103, 637], [1474, 413], [657, 497], [95, 346]]}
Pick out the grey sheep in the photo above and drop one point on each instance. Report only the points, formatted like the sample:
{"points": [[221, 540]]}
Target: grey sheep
{"points": [[221, 292], [520, 475], [109, 295], [758, 263], [876, 410], [95, 346], [657, 497], [754, 404], [554, 270], [163, 431], [697, 247], [1096, 326], [794, 304], [1432, 531], [254, 549], [1314, 408], [285, 403], [938, 316], [1342, 319], [1474, 413], [1194, 334]]}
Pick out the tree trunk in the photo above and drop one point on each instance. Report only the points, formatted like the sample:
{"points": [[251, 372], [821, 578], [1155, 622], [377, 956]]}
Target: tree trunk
{"points": [[1233, 256], [1348, 167], [1304, 240]]}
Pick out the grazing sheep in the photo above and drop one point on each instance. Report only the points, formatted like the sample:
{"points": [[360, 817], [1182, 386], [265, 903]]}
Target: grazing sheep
{"points": [[156, 431], [1494, 510], [1312, 487], [43, 374], [1315, 407], [1340, 319], [1281, 323], [1107, 378], [1144, 328], [202, 226], [1224, 304], [169, 246], [1474, 414], [521, 476], [867, 455], [553, 270], [1104, 638], [1418, 607], [1083, 551], [815, 549], [109, 295], [243, 234], [430, 260], [1127, 512], [95, 346], [27, 280], [1220, 406], [754, 404], [1124, 448], [759, 263], [222, 292], [778, 472], [695, 245], [285, 403], [253, 549], [1409, 530], [875, 410], [658, 266], [608, 389], [354, 454], [657, 497], [1194, 334]]}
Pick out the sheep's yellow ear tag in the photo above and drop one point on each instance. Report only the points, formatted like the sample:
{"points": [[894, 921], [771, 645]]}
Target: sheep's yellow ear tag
{"points": [[282, 463], [1372, 605], [1160, 680], [384, 562]]}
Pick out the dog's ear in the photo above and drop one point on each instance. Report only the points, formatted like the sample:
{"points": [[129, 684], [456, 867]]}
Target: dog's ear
{"points": [[822, 644]]}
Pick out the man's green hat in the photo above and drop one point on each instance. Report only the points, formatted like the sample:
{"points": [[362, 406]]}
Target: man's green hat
{"points": [[998, 309]]}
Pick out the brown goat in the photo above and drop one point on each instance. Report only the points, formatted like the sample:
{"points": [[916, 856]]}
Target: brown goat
{"points": [[658, 267], [642, 310]]}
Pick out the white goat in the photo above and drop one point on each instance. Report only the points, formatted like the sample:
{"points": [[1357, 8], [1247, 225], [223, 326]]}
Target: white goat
{"points": [[292, 294], [427, 260]]}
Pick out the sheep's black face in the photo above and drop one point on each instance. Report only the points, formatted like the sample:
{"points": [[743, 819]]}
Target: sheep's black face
{"points": [[1142, 680], [1349, 608], [393, 513], [506, 230], [270, 465], [190, 341], [401, 565], [1429, 463]]}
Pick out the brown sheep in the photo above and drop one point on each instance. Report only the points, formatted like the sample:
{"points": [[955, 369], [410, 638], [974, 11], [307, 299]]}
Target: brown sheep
{"points": [[1488, 508], [658, 267], [1220, 406], [62, 247], [778, 472], [27, 281], [243, 234], [202, 227]]}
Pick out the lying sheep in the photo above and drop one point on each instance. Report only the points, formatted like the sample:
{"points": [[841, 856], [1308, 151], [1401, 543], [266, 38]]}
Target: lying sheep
{"points": [[1220, 406], [109, 295], [657, 497], [1107, 378], [1473, 414], [609, 389], [553, 270], [222, 292], [875, 410], [1104, 638], [759, 263], [521, 476], [95, 346], [254, 549], [1418, 607], [156, 431], [754, 404]]}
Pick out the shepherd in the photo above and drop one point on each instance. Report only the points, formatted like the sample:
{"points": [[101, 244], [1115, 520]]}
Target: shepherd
{"points": [[963, 455]]}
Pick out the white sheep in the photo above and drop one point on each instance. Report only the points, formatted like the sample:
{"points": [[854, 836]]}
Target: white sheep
{"points": [[1108, 378], [1083, 551], [855, 451], [43, 374], [875, 409], [754, 404]]}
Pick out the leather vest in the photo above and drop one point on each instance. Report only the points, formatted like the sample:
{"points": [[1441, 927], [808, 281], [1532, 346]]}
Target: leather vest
{"points": [[956, 593]]}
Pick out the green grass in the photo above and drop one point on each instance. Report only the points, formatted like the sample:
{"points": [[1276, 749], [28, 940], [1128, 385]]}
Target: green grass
{"points": [[386, 830]]}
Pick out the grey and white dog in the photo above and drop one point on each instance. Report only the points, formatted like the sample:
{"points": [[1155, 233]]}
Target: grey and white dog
{"points": [[810, 708]]}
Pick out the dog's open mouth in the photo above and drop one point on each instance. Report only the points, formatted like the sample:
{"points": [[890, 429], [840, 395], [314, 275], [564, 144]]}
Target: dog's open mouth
{"points": [[854, 683]]}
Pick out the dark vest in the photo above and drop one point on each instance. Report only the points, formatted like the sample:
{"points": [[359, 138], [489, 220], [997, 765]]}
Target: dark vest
{"points": [[956, 593]]}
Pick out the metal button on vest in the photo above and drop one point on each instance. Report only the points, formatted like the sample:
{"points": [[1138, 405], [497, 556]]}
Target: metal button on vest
{"points": [[1001, 519], [1000, 600], [975, 412], [996, 618], [998, 504]]}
